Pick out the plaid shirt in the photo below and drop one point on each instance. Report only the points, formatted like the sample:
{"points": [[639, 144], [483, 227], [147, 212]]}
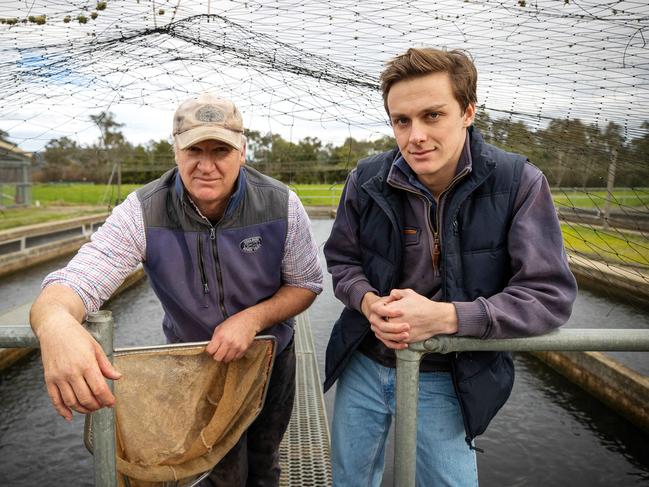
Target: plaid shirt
{"points": [[119, 246]]}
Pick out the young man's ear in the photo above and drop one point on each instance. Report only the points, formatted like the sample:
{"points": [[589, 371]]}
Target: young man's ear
{"points": [[469, 115]]}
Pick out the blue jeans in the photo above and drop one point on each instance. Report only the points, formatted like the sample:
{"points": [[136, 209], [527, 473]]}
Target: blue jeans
{"points": [[363, 411]]}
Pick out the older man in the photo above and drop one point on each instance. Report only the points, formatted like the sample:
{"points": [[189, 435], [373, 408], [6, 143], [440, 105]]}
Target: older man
{"points": [[229, 253]]}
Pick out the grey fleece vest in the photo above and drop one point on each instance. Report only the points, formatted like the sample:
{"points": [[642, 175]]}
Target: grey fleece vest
{"points": [[204, 273]]}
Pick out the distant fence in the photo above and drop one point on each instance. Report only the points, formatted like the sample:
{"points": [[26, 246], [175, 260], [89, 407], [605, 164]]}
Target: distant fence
{"points": [[22, 247], [15, 194], [629, 219], [24, 238]]}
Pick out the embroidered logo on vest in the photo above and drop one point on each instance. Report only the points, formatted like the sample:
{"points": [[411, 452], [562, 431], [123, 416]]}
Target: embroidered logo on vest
{"points": [[250, 245]]}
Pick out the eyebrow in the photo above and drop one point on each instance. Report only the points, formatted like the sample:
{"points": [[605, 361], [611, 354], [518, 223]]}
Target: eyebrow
{"points": [[432, 108]]}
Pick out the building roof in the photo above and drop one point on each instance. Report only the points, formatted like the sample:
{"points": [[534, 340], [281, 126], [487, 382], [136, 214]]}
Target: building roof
{"points": [[11, 154]]}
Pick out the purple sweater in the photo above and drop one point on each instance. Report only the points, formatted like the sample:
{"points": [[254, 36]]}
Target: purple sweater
{"points": [[539, 266]]}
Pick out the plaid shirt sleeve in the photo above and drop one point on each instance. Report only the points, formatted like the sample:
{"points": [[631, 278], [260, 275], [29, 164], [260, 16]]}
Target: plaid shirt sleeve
{"points": [[300, 264], [113, 253]]}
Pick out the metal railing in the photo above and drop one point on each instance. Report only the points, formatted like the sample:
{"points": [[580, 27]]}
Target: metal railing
{"points": [[19, 239], [100, 324], [569, 339]]}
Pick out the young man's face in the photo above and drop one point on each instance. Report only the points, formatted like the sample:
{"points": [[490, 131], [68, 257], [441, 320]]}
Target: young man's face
{"points": [[209, 171], [429, 126]]}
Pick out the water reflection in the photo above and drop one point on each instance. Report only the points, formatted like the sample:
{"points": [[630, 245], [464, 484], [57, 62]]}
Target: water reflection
{"points": [[551, 432]]}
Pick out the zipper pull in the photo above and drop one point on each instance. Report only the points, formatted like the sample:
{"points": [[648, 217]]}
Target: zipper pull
{"points": [[471, 446], [206, 289], [436, 253], [455, 229], [212, 233], [479, 450]]}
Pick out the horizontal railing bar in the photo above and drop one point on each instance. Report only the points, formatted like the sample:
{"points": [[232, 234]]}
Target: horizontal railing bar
{"points": [[42, 229], [18, 336], [566, 339]]}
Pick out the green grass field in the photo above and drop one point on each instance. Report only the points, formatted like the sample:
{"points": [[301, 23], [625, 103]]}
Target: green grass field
{"points": [[611, 246], [100, 194], [637, 198], [78, 194], [318, 194]]}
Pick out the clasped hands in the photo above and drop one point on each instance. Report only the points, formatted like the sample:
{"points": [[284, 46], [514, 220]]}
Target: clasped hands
{"points": [[405, 316]]}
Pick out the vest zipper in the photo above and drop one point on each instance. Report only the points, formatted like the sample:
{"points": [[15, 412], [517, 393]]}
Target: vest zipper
{"points": [[465, 418], [437, 236], [436, 252], [219, 278], [201, 265]]}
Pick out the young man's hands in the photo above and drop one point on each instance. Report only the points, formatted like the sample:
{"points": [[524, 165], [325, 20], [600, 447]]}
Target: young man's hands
{"points": [[406, 316]]}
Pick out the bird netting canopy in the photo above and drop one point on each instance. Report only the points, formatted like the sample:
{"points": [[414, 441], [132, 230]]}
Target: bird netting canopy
{"points": [[313, 66]]}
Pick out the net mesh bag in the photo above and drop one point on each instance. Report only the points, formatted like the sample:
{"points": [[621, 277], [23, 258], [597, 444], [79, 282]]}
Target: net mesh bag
{"points": [[178, 411]]}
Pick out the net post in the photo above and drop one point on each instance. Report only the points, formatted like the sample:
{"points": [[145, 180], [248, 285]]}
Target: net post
{"points": [[101, 325]]}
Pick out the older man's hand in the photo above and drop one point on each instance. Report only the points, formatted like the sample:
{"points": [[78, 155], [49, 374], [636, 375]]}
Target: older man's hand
{"points": [[233, 337], [74, 363]]}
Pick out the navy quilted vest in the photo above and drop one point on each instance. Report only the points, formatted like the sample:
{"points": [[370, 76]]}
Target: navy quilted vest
{"points": [[474, 262]]}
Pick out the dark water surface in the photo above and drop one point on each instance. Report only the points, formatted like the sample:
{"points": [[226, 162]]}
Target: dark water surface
{"points": [[550, 433]]}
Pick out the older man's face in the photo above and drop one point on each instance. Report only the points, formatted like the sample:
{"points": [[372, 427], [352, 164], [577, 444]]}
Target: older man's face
{"points": [[209, 171]]}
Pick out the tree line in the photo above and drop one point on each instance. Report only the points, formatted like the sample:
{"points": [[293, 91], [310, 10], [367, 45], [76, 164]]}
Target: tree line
{"points": [[570, 152]]}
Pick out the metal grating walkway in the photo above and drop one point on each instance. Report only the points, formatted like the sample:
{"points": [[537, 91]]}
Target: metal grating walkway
{"points": [[304, 453]]}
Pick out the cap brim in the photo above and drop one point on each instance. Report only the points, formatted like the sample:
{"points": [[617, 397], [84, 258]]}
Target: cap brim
{"points": [[199, 134]]}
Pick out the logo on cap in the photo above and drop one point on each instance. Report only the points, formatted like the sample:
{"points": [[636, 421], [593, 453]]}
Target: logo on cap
{"points": [[250, 245], [210, 113]]}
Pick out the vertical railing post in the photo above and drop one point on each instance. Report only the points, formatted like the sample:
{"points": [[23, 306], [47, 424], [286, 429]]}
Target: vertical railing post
{"points": [[405, 450], [101, 325]]}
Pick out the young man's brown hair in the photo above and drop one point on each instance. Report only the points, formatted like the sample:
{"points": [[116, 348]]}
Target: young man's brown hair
{"points": [[418, 62]]}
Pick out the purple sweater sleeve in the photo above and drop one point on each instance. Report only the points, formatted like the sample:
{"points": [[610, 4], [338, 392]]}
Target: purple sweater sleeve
{"points": [[342, 250], [541, 291]]}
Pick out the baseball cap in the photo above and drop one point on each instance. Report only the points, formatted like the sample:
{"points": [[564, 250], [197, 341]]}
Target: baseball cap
{"points": [[208, 117]]}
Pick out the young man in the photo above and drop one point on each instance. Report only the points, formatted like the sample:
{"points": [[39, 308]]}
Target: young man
{"points": [[444, 235], [229, 253]]}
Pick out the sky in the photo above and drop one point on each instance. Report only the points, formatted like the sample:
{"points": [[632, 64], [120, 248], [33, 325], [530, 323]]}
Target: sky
{"points": [[305, 68]]}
